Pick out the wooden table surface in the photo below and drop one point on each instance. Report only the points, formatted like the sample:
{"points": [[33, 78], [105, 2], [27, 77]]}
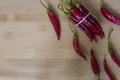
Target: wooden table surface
{"points": [[29, 49]]}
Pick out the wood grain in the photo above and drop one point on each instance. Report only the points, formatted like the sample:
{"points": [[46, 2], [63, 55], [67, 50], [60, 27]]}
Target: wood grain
{"points": [[29, 49]]}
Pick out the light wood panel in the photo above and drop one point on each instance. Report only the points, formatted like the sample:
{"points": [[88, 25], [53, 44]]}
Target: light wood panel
{"points": [[29, 49]]}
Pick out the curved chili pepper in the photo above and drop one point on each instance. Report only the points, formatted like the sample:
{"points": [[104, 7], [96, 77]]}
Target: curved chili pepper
{"points": [[76, 44], [95, 66], [106, 68], [108, 15], [54, 20], [111, 51]]}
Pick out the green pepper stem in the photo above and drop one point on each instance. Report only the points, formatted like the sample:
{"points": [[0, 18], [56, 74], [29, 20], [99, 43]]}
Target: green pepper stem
{"points": [[47, 9], [101, 3], [104, 57], [67, 4], [75, 2], [71, 28], [67, 14], [61, 8], [98, 77], [74, 31], [64, 1], [109, 43]]}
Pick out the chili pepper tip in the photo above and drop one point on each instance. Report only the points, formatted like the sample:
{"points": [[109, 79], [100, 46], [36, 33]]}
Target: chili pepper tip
{"points": [[85, 58], [92, 51]]}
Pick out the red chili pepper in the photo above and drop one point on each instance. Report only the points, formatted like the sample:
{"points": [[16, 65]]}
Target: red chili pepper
{"points": [[90, 18], [111, 51], [82, 26], [89, 33], [95, 66], [76, 44], [85, 28], [79, 16], [108, 15], [54, 20], [106, 68]]}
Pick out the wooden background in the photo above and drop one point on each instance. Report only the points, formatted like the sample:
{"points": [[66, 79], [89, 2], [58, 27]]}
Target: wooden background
{"points": [[29, 49]]}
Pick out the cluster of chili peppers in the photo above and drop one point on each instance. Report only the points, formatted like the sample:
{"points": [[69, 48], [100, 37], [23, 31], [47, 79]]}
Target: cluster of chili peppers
{"points": [[76, 13]]}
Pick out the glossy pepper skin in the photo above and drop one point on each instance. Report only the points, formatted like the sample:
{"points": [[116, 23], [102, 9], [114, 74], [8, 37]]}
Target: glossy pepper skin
{"points": [[77, 48], [106, 69], [82, 26], [82, 20], [95, 66], [108, 15], [114, 57], [54, 20], [75, 43], [111, 51], [55, 23], [92, 20], [80, 16], [96, 28]]}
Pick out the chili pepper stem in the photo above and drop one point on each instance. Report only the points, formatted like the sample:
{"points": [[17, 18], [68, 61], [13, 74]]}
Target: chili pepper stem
{"points": [[76, 43], [47, 9], [67, 14], [67, 4], [75, 2], [101, 3], [98, 77], [109, 43], [71, 28], [74, 32], [104, 58]]}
